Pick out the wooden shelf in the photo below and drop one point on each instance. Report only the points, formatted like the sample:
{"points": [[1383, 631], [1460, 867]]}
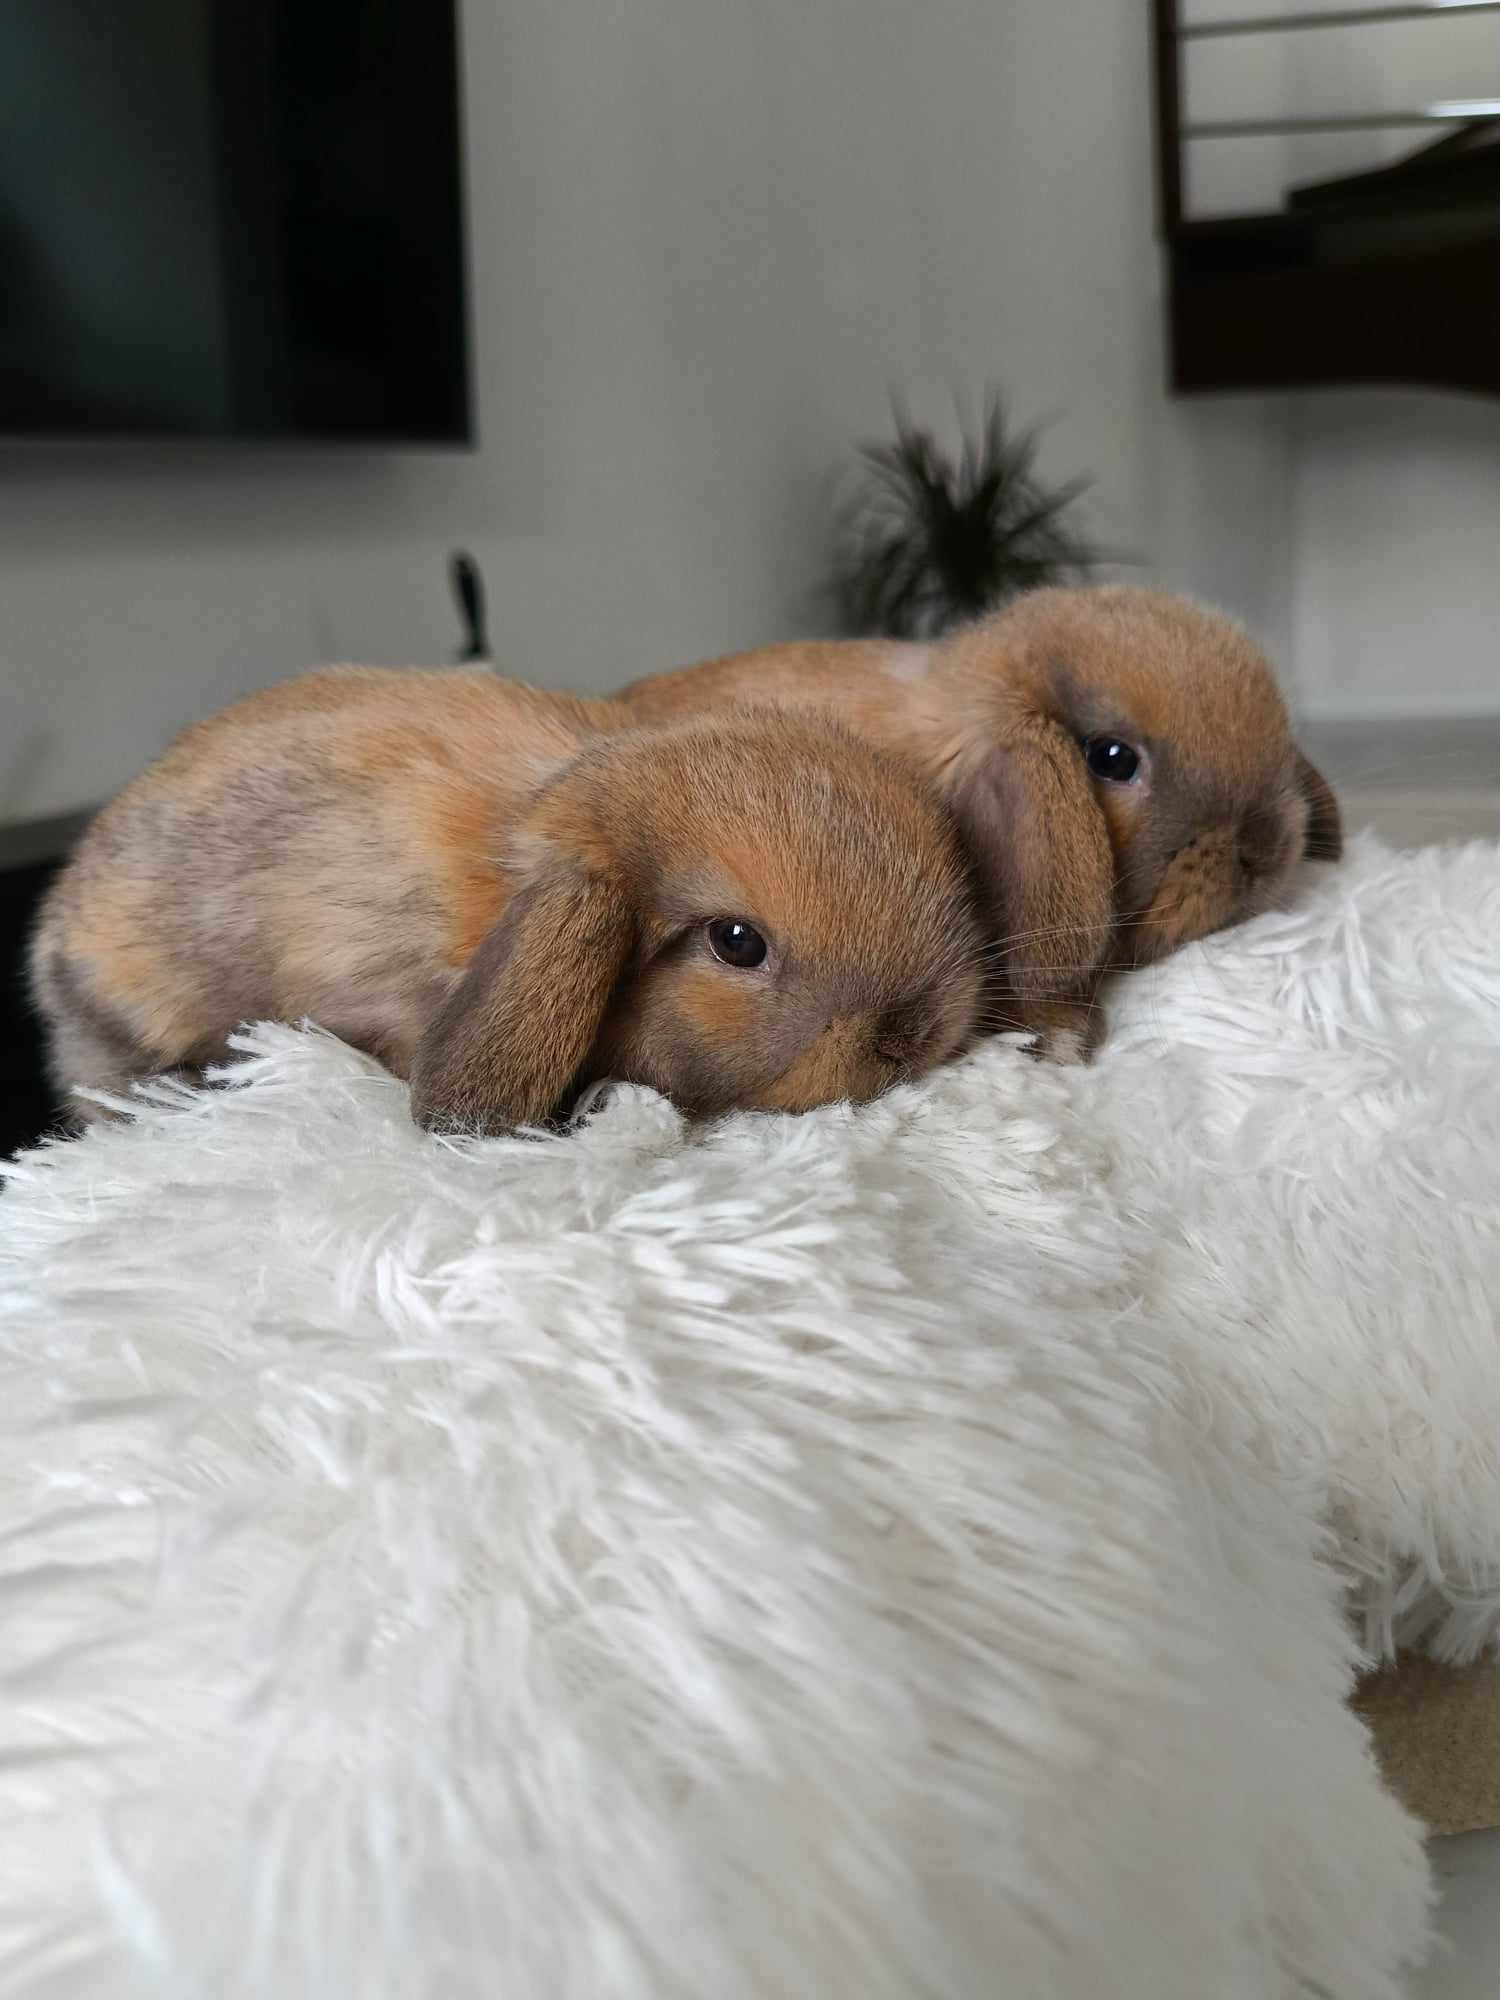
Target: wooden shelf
{"points": [[1332, 17], [1386, 277]]}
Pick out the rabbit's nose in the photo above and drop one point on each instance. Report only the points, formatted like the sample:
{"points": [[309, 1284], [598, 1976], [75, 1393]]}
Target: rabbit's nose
{"points": [[901, 1030], [1264, 842]]}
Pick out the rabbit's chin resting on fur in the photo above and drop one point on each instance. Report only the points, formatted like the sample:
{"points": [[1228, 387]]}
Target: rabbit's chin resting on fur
{"points": [[1119, 763], [505, 894]]}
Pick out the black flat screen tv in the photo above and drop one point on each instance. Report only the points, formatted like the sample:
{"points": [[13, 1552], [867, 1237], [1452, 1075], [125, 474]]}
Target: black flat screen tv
{"points": [[232, 219]]}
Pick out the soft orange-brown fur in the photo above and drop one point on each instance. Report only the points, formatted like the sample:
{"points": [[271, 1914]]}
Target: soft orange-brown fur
{"points": [[504, 893], [1079, 873]]}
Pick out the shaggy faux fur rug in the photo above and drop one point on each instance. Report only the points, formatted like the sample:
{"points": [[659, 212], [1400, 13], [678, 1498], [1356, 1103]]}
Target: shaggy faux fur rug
{"points": [[883, 1553]]}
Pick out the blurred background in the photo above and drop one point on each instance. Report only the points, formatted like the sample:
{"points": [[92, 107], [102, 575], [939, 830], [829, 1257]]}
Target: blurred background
{"points": [[299, 297]]}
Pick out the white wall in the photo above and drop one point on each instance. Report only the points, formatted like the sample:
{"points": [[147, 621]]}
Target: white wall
{"points": [[707, 239], [1397, 500]]}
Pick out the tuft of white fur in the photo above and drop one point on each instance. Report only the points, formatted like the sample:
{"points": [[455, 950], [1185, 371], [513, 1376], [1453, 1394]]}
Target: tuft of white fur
{"points": [[1303, 1121], [894, 1552]]}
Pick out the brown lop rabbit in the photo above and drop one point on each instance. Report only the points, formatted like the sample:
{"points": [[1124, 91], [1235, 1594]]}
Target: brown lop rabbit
{"points": [[504, 895], [1119, 762]]}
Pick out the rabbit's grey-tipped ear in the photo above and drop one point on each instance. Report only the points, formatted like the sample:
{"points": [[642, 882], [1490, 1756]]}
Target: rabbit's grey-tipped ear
{"points": [[511, 1038], [1041, 849], [1325, 823]]}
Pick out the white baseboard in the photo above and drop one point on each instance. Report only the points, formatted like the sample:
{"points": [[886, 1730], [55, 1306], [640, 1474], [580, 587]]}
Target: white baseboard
{"points": [[1357, 710]]}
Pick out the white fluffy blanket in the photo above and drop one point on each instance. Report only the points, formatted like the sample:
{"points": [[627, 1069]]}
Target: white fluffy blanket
{"points": [[878, 1554]]}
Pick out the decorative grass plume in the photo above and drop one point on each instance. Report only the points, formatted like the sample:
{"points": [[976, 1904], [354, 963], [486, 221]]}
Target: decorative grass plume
{"points": [[926, 543]]}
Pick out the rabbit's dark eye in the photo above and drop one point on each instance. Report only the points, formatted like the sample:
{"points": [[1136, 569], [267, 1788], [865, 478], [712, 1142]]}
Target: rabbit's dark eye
{"points": [[1108, 757], [736, 943]]}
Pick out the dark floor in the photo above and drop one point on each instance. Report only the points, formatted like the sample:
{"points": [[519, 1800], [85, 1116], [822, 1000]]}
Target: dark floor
{"points": [[26, 1106]]}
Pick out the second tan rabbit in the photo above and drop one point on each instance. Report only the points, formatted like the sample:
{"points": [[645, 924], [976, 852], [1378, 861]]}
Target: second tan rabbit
{"points": [[1119, 762]]}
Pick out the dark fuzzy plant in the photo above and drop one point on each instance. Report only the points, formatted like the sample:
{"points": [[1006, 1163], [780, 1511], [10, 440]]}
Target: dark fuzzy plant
{"points": [[926, 543]]}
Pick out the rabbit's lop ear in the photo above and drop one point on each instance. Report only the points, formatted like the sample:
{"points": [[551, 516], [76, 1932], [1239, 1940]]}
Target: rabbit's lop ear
{"points": [[1325, 823], [1041, 847], [512, 1036]]}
